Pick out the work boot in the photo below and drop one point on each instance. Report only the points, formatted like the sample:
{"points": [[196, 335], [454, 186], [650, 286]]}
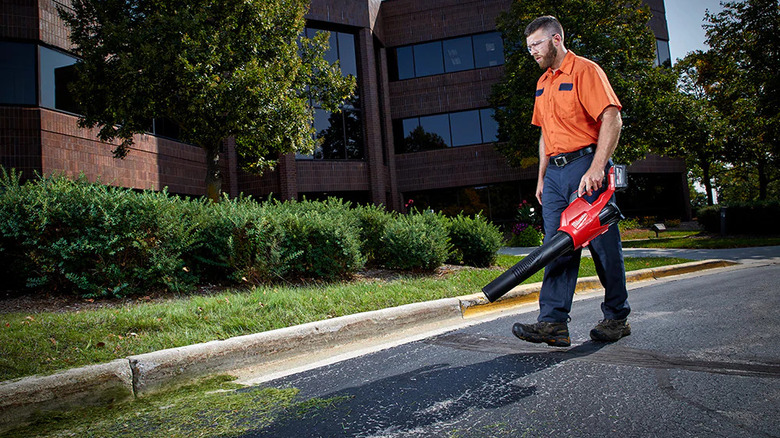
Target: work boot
{"points": [[610, 330], [551, 333]]}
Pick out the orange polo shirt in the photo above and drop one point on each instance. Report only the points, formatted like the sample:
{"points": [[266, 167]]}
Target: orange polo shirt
{"points": [[569, 103]]}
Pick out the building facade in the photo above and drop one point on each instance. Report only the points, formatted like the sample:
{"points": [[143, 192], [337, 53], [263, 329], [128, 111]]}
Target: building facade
{"points": [[420, 128]]}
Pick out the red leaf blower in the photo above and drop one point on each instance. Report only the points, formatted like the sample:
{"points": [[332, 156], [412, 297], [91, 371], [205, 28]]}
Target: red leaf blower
{"points": [[581, 222]]}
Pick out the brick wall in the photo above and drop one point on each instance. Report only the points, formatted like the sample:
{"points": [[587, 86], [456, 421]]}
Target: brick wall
{"points": [[20, 139], [325, 176], [369, 92], [413, 21], [347, 12], [53, 30], [443, 93], [19, 19], [152, 163], [258, 186], [456, 167]]}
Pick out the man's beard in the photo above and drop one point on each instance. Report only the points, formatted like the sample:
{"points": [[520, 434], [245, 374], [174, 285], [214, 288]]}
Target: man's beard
{"points": [[548, 59]]}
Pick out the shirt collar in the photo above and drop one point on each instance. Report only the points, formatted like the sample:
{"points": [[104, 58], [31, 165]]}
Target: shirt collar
{"points": [[566, 66]]}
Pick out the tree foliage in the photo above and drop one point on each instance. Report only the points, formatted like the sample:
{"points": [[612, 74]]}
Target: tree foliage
{"points": [[219, 69], [613, 34], [739, 74], [693, 127]]}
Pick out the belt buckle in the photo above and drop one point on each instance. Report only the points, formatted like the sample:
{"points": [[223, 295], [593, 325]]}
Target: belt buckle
{"points": [[560, 161]]}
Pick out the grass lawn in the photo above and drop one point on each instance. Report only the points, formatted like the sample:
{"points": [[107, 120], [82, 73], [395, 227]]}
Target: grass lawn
{"points": [[46, 342], [695, 240]]}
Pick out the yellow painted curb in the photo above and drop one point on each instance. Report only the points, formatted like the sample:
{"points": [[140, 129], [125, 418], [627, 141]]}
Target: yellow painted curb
{"points": [[687, 268]]}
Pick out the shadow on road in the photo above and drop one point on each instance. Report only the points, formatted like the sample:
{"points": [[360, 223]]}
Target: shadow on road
{"points": [[433, 394]]}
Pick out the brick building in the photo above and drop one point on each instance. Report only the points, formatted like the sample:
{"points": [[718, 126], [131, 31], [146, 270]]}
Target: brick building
{"points": [[421, 128]]}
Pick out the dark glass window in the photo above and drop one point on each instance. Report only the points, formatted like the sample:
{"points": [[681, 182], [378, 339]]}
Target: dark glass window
{"points": [[409, 125], [428, 59], [17, 73], [488, 50], [439, 125], [353, 134], [412, 137], [462, 128], [342, 137], [465, 128], [458, 54], [321, 125], [450, 55], [339, 135], [489, 125], [405, 60], [165, 127], [662, 55], [347, 56], [57, 72]]}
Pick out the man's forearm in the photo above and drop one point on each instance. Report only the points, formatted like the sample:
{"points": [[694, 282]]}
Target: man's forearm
{"points": [[543, 159], [609, 135]]}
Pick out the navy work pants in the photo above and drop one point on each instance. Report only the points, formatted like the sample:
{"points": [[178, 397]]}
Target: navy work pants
{"points": [[560, 276]]}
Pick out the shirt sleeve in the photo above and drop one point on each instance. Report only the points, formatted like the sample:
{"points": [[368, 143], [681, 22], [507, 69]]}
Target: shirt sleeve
{"points": [[536, 119], [596, 93]]}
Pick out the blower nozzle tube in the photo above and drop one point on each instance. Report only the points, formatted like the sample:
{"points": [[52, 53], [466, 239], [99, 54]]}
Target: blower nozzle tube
{"points": [[581, 222], [560, 244]]}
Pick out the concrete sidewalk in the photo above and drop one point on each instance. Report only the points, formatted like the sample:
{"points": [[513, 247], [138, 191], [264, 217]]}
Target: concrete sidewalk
{"points": [[136, 376]]}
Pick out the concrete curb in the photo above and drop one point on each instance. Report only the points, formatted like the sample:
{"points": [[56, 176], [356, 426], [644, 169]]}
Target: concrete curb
{"points": [[94, 385], [161, 369], [136, 376]]}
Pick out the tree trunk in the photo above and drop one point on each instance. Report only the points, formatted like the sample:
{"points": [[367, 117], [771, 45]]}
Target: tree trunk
{"points": [[213, 174], [705, 176]]}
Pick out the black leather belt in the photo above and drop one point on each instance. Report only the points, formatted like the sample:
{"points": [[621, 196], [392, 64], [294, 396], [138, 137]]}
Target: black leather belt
{"points": [[564, 159]]}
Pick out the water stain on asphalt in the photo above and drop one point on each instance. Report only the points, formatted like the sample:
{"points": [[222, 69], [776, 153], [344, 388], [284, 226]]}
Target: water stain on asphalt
{"points": [[595, 352]]}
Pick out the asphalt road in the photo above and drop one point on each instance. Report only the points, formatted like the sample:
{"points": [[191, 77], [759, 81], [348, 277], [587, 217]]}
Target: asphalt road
{"points": [[703, 360]]}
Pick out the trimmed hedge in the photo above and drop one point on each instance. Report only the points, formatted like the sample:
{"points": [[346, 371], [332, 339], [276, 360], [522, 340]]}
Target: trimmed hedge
{"points": [[757, 218], [93, 239], [416, 241], [58, 234], [475, 241]]}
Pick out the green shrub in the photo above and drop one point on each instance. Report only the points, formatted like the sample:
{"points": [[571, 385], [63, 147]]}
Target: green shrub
{"points": [[415, 241], [709, 218], [526, 236], [475, 241], [92, 239], [256, 252], [216, 257], [329, 247], [629, 223], [296, 239], [372, 221], [758, 218]]}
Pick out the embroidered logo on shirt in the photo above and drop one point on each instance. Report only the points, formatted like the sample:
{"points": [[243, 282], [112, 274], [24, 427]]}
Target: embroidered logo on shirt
{"points": [[566, 87], [539, 92]]}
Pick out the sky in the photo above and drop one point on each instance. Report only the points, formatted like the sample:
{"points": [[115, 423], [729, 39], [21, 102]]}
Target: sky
{"points": [[685, 19]]}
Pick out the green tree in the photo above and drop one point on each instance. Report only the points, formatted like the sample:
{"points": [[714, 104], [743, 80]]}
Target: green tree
{"points": [[692, 127], [742, 80], [613, 34], [219, 69]]}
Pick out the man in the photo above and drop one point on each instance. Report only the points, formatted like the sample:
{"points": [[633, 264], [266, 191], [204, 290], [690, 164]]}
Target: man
{"points": [[579, 114]]}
